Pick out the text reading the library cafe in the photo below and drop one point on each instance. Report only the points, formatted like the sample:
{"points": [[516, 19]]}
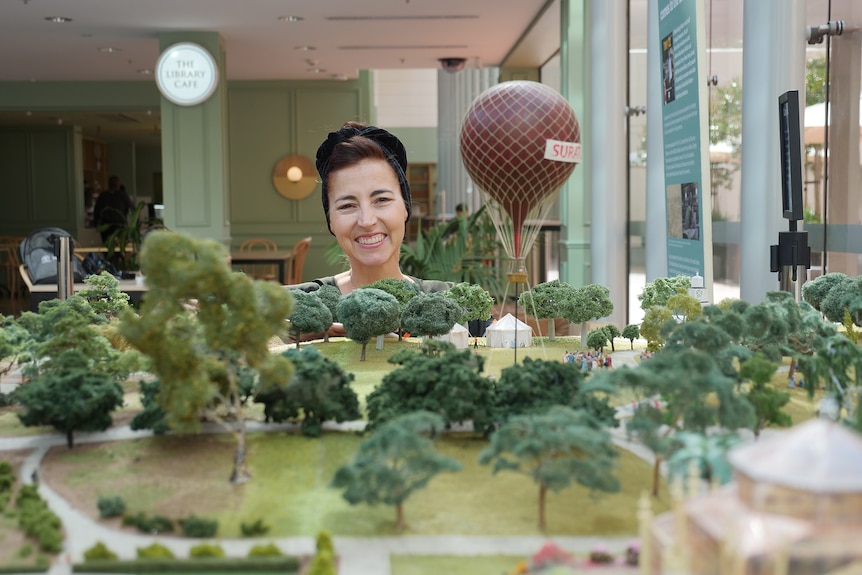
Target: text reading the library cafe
{"points": [[185, 76]]}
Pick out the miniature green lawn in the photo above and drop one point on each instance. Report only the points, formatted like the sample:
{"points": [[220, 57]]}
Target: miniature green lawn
{"points": [[451, 565], [177, 477]]}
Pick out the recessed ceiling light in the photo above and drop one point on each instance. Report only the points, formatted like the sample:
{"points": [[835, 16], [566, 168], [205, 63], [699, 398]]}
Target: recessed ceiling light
{"points": [[86, 35], [58, 19], [316, 70], [145, 71], [290, 18], [339, 76], [109, 49], [305, 48]]}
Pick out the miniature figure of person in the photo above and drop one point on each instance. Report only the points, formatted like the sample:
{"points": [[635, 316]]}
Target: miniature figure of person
{"points": [[366, 201]]}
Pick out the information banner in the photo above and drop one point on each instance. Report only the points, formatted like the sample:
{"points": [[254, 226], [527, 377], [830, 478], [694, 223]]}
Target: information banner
{"points": [[684, 125]]}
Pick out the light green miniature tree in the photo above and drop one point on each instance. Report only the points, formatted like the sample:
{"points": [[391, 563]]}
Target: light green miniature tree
{"points": [[473, 299], [650, 328], [395, 462], [591, 301], [201, 324], [684, 307], [548, 300], [658, 291], [367, 313], [555, 449], [309, 315]]}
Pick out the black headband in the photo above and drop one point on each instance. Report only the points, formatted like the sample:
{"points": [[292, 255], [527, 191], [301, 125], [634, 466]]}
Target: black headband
{"points": [[392, 148]]}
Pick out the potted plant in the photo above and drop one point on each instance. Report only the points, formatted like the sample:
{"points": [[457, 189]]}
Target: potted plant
{"points": [[124, 245]]}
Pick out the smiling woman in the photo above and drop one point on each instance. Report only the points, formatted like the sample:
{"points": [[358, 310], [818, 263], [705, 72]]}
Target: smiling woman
{"points": [[366, 200]]}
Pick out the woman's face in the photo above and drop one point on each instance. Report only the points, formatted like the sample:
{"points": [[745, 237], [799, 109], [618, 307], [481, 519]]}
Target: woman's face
{"points": [[367, 213]]}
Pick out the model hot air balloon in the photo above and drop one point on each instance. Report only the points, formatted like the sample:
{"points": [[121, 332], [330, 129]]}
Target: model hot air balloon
{"points": [[519, 142]]}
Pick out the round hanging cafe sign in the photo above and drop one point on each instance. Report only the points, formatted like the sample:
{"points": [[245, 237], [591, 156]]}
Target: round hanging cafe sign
{"points": [[186, 74]]}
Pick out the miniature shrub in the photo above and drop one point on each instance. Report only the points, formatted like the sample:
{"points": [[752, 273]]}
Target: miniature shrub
{"points": [[99, 552], [324, 542], [322, 564], [206, 550], [268, 550], [6, 469], [162, 524], [600, 554], [27, 493], [255, 529], [112, 506], [194, 526], [50, 539], [155, 551], [25, 551]]}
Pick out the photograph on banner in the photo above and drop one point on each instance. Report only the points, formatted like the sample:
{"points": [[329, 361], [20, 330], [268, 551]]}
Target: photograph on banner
{"points": [[683, 212], [667, 67]]}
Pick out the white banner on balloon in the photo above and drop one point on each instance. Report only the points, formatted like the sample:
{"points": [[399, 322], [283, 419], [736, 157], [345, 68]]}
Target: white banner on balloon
{"points": [[563, 151]]}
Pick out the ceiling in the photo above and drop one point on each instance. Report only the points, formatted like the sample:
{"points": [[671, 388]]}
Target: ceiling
{"points": [[118, 40]]}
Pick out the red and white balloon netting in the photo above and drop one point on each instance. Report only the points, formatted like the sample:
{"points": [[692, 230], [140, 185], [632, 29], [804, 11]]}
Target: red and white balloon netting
{"points": [[503, 140]]}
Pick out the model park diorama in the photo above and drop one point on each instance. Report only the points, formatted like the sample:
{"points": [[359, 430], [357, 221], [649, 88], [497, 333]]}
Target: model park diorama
{"points": [[417, 436]]}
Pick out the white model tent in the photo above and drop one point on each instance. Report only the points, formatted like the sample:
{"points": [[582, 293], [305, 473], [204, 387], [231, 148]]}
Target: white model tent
{"points": [[458, 336], [508, 330]]}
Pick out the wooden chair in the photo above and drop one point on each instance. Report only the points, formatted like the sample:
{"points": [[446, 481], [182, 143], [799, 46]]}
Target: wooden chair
{"points": [[9, 262], [297, 260], [260, 271]]}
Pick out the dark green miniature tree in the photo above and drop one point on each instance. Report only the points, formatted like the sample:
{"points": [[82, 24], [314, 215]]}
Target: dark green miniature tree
{"points": [[766, 400], [535, 385], [591, 301], [555, 449], [681, 391], [548, 300], [612, 332], [658, 291], [449, 384], [104, 295], [403, 290], [309, 315], [395, 462], [201, 325], [330, 295], [319, 389], [430, 314], [631, 332], [367, 313], [152, 416], [837, 366], [14, 340], [473, 299], [597, 339], [70, 396]]}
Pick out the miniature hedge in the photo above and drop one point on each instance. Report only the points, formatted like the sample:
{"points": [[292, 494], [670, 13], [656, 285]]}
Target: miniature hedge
{"points": [[283, 565]]}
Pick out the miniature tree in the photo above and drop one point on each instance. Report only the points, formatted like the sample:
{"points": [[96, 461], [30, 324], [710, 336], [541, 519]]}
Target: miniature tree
{"points": [[319, 388], [597, 339], [844, 297], [535, 385], [548, 300], [450, 385], [430, 314], [591, 301], [152, 416], [199, 350], [309, 315], [367, 313], [104, 295], [612, 332], [395, 462], [330, 295], [70, 396], [658, 291], [837, 366], [555, 449], [695, 395], [765, 399], [816, 290], [683, 306], [631, 332], [13, 342], [650, 328], [473, 299], [707, 451], [403, 290]]}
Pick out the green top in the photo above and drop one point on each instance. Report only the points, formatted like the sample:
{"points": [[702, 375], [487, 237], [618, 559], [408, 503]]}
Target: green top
{"points": [[426, 286]]}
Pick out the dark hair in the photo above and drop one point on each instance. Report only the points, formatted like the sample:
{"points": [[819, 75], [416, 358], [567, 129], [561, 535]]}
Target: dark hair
{"points": [[356, 142]]}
